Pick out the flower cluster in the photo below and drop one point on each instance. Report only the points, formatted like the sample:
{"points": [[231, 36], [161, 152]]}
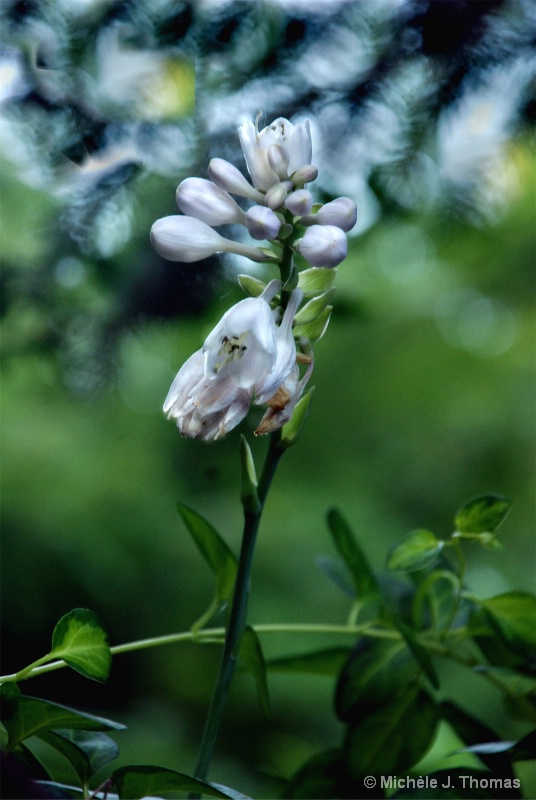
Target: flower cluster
{"points": [[251, 354]]}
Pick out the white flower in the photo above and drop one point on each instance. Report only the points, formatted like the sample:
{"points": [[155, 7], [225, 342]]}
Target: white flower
{"points": [[262, 223], [283, 402], [295, 144], [299, 203], [188, 239], [228, 177], [341, 212], [204, 200], [323, 245], [246, 355]]}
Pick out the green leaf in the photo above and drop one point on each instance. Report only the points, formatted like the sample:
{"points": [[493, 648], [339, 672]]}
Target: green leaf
{"points": [[354, 557], [377, 672], [415, 551], [318, 778], [252, 286], [320, 662], [251, 653], [513, 616], [483, 514], [81, 641], [292, 429], [86, 751], [138, 781], [312, 310], [217, 555], [316, 329], [392, 738], [248, 495], [471, 730], [420, 653], [62, 791], [26, 716], [316, 280]]}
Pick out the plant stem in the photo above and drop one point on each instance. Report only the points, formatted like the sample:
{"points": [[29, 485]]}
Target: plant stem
{"points": [[237, 619]]}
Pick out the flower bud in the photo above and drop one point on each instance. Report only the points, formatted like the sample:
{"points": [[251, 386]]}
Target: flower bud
{"points": [[323, 246], [299, 203], [303, 175], [228, 177], [341, 212], [276, 195], [278, 158], [262, 223], [295, 140], [188, 239], [203, 200]]}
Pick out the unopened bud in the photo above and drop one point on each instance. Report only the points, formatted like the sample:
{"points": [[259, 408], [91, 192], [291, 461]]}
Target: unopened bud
{"points": [[341, 212], [299, 203], [276, 195], [304, 175], [262, 223], [228, 177], [278, 158], [323, 246], [202, 199]]}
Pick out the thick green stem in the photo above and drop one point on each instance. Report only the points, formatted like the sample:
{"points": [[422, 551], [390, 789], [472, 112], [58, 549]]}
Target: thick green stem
{"points": [[237, 619]]}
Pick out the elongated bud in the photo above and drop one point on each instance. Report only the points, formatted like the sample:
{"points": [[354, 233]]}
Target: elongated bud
{"points": [[303, 175], [276, 195], [248, 495], [278, 158], [262, 223], [188, 239], [228, 177], [299, 203], [203, 200], [323, 246], [341, 212]]}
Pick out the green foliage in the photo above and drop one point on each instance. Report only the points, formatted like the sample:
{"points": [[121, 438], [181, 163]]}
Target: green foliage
{"points": [[252, 655], [483, 514], [353, 556], [137, 781], [291, 430], [81, 641], [417, 550]]}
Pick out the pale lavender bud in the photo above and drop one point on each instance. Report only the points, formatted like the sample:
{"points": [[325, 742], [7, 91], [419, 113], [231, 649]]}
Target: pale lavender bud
{"points": [[341, 212], [305, 174], [323, 246], [203, 200], [228, 177], [299, 203], [278, 159], [262, 223], [276, 195], [188, 239]]}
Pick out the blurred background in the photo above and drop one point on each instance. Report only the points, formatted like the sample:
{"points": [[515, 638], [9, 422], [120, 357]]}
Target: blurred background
{"points": [[423, 113]]}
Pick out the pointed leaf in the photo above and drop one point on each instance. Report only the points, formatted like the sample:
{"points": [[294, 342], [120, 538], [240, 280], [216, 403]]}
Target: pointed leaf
{"points": [[248, 495], [26, 716], [292, 429], [419, 652], [314, 307], [74, 755], [251, 653], [483, 514], [319, 662], [415, 551], [252, 286], [137, 782], [316, 329], [217, 555], [316, 280], [513, 616], [393, 738], [81, 641], [354, 557], [86, 751]]}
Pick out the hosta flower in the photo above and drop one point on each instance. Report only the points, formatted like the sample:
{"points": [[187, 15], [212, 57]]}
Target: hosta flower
{"points": [[299, 203], [262, 223], [282, 404], [341, 212], [188, 239], [246, 355], [204, 200], [323, 245], [228, 177], [293, 141]]}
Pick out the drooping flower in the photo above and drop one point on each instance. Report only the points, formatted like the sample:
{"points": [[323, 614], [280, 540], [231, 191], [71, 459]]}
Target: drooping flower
{"points": [[323, 245], [294, 148], [187, 239], [246, 355]]}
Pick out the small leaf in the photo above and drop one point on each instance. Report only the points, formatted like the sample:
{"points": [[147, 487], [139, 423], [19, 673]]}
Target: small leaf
{"points": [[138, 781], [316, 329], [392, 738], [376, 673], [316, 280], [251, 653], [320, 662], [252, 286], [292, 429], [217, 555], [81, 641], [27, 716], [415, 551], [312, 310], [420, 653], [354, 557], [248, 494], [513, 616], [483, 514]]}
